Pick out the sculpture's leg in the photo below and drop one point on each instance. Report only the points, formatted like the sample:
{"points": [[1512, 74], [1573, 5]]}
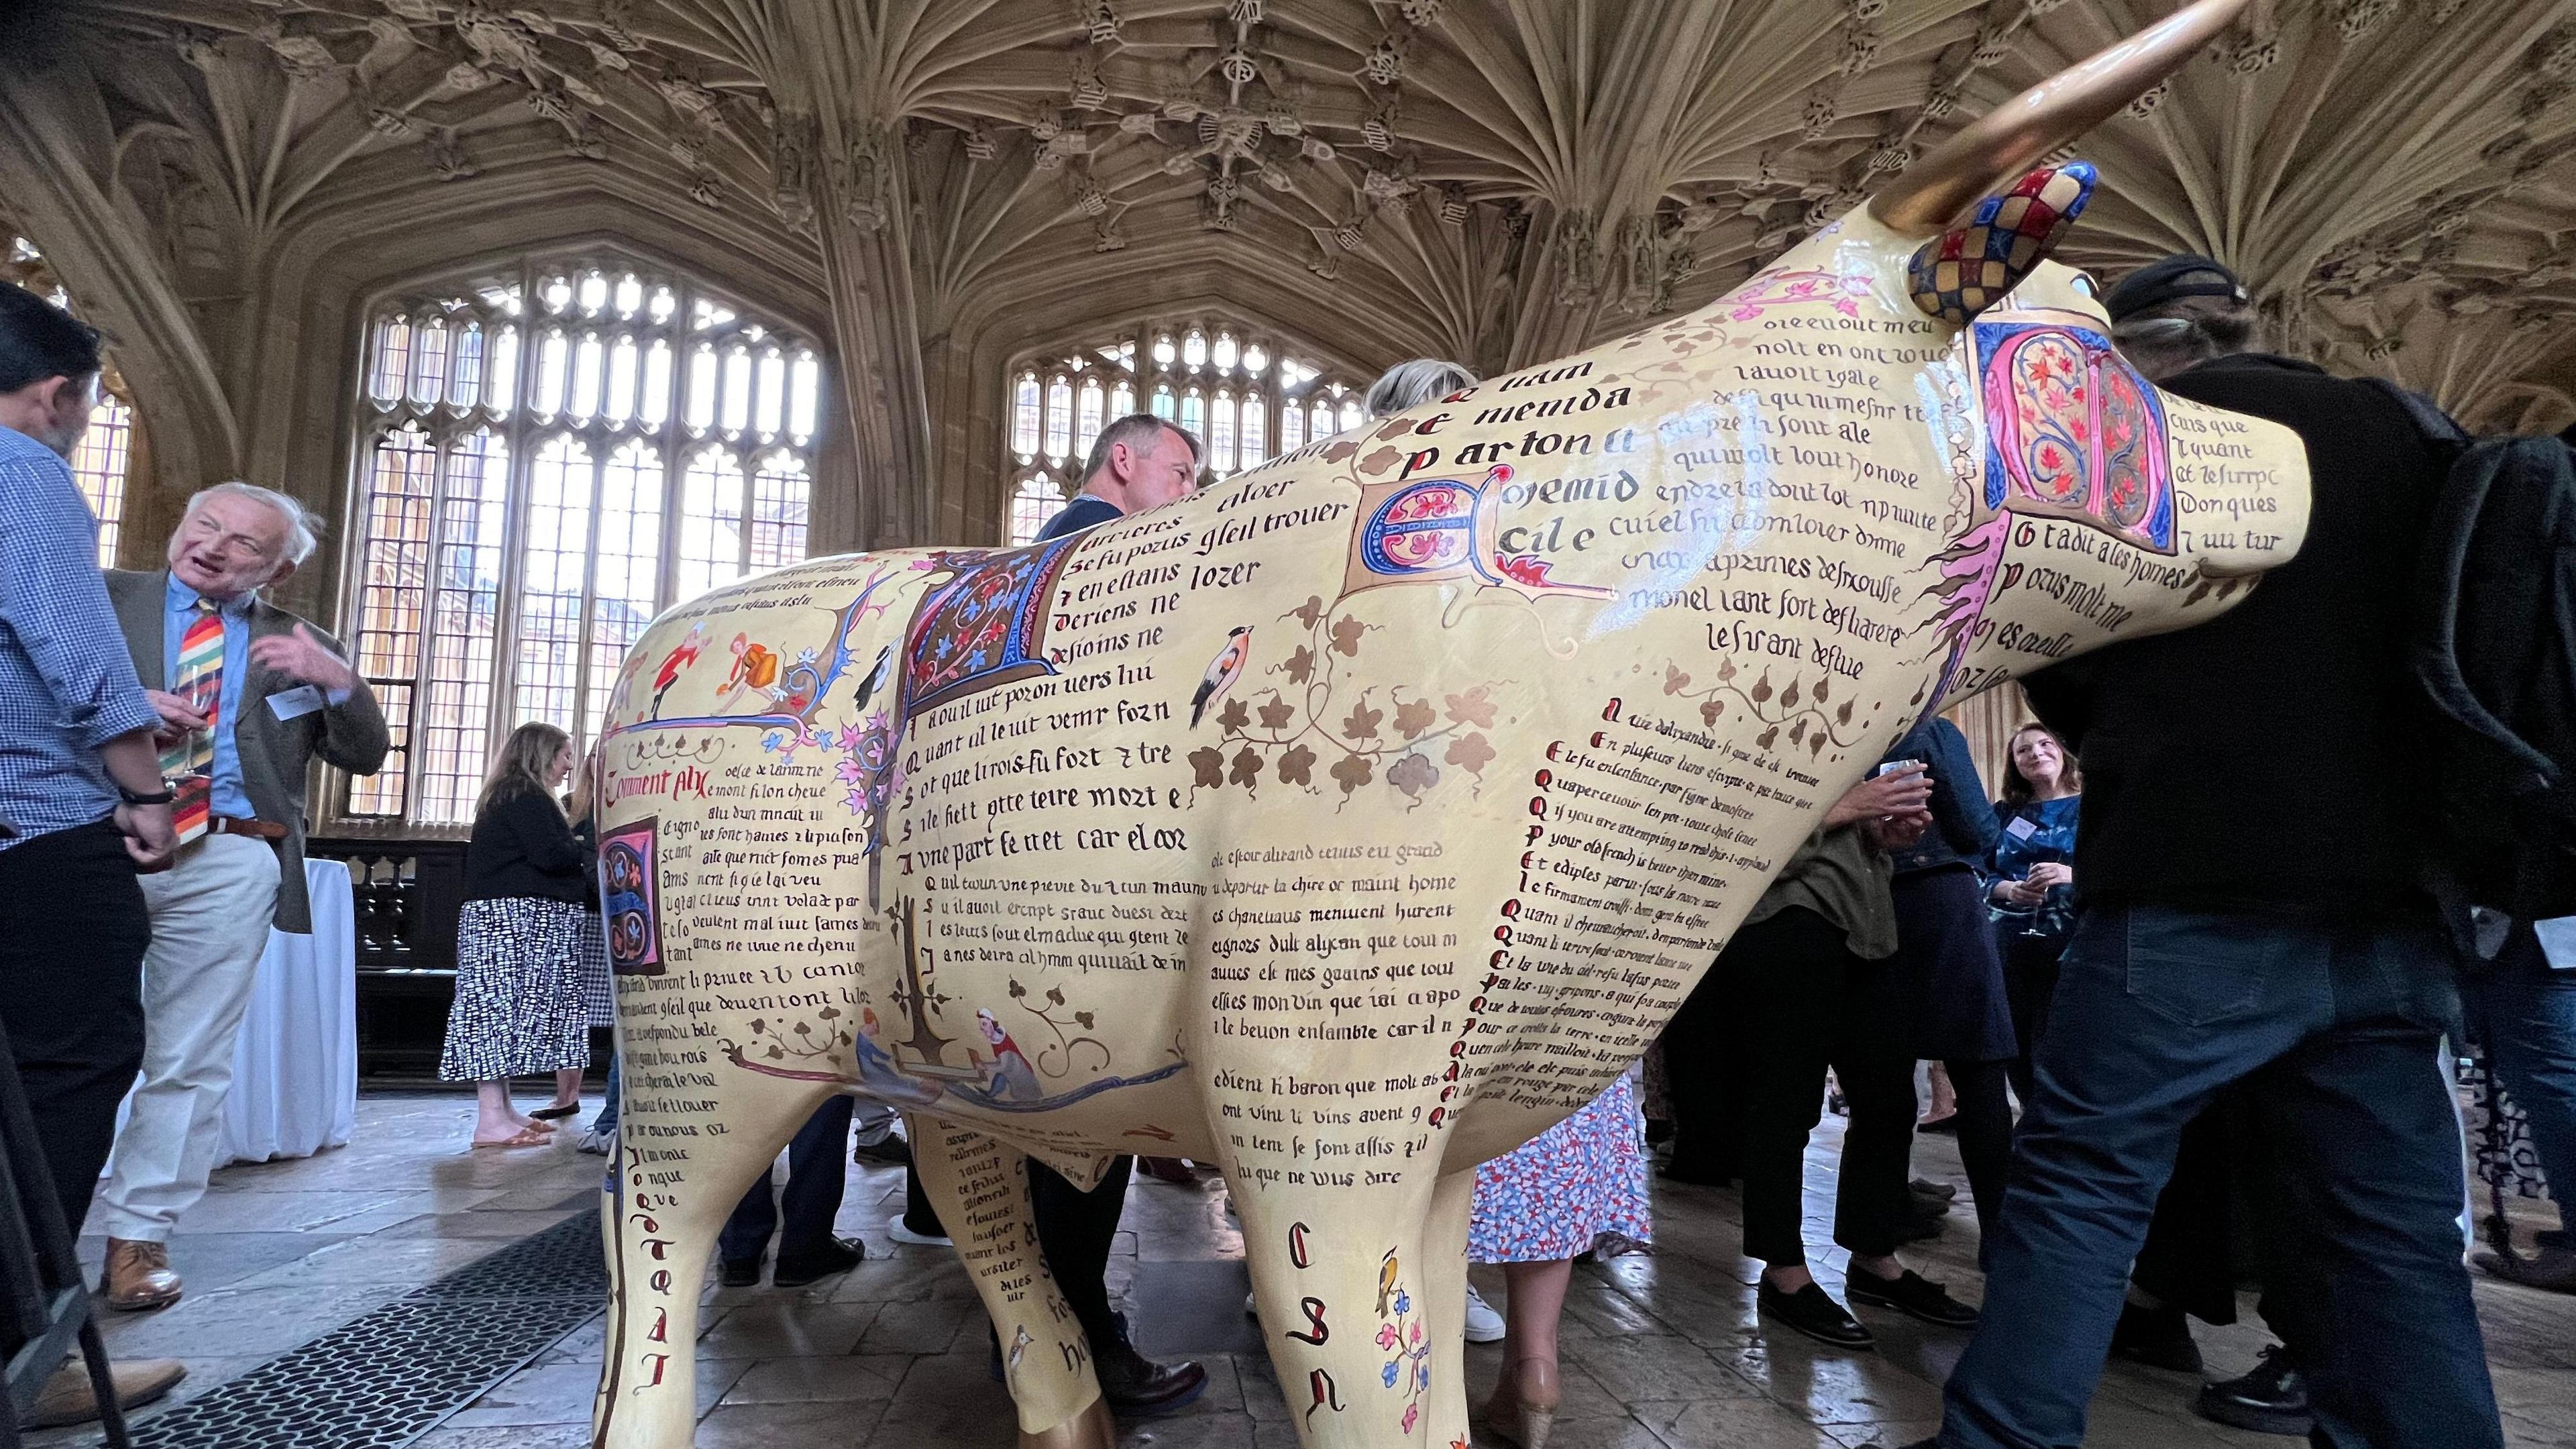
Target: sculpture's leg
{"points": [[1362, 1291], [981, 1189], [667, 1194], [1444, 1285]]}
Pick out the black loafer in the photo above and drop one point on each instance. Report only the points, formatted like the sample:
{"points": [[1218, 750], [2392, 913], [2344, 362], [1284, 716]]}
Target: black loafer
{"points": [[739, 1273], [1913, 1295], [1813, 1312], [2273, 1399], [1698, 1172], [1137, 1387], [2158, 1338], [843, 1255], [892, 1151]]}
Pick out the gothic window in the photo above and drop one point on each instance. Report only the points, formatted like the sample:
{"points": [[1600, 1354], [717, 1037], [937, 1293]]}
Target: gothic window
{"points": [[549, 455], [104, 462], [1036, 501], [1248, 397]]}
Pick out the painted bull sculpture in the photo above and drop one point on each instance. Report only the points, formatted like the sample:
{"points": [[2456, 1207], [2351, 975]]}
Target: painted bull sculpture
{"points": [[1354, 820]]}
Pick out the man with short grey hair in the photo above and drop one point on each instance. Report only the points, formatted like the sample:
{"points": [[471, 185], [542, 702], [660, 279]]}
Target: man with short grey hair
{"points": [[1140, 461], [248, 694]]}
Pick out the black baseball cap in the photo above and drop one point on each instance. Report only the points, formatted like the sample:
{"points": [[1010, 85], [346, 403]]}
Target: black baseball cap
{"points": [[2170, 279]]}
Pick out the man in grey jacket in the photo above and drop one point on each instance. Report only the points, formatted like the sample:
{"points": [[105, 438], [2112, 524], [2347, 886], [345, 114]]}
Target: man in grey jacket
{"points": [[248, 695]]}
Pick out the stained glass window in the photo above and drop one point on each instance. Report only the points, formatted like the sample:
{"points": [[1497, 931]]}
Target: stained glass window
{"points": [[510, 555]]}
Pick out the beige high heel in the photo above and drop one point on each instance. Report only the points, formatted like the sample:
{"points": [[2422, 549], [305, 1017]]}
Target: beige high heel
{"points": [[1523, 1408]]}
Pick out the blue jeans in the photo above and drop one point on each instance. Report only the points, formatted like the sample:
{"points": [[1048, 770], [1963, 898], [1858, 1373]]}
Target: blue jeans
{"points": [[2337, 1028], [817, 1170], [606, 1119], [2526, 1014]]}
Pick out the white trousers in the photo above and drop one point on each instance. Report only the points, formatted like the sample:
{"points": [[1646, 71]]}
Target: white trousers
{"points": [[210, 921]]}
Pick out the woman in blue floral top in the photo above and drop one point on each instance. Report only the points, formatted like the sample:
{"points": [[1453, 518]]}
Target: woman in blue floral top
{"points": [[2030, 881]]}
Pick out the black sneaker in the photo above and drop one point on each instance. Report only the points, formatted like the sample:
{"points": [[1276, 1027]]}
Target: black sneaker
{"points": [[1136, 1386], [2156, 1337], [2273, 1399], [1913, 1295], [1926, 1187], [739, 1272], [1813, 1312], [840, 1257]]}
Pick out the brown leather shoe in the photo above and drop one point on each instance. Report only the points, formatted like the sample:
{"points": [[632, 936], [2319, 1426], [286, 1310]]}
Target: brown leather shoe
{"points": [[139, 1276], [67, 1398]]}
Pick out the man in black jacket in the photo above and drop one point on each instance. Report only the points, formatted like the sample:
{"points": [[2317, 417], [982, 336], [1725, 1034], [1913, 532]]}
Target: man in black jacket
{"points": [[2251, 912]]}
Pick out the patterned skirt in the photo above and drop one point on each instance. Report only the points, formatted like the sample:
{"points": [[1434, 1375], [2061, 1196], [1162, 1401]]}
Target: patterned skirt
{"points": [[519, 1003], [598, 993], [1567, 1188]]}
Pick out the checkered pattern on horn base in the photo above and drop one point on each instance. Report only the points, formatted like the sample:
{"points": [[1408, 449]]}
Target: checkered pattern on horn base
{"points": [[1967, 269]]}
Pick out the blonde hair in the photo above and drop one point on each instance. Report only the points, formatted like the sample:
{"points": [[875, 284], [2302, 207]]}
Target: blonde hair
{"points": [[524, 765], [584, 804]]}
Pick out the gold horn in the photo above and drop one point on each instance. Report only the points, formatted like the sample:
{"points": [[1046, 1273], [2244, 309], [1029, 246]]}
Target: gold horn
{"points": [[2009, 139]]}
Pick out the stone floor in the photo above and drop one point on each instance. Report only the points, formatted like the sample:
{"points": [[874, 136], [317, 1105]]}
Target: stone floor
{"points": [[1662, 1351]]}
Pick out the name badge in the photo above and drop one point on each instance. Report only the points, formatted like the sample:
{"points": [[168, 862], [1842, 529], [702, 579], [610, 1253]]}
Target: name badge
{"points": [[295, 703], [2021, 828]]}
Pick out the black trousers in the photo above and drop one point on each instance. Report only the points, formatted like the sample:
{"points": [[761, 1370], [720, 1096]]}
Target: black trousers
{"points": [[2214, 1218], [1076, 1230], [1803, 1003], [73, 928], [1706, 1080], [1985, 1136], [2030, 979], [818, 1168]]}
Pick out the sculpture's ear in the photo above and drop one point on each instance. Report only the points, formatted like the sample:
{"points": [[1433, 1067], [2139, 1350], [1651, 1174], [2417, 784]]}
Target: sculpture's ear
{"points": [[1970, 267]]}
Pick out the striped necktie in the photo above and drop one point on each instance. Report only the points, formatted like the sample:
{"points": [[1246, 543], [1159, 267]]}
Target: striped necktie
{"points": [[190, 763]]}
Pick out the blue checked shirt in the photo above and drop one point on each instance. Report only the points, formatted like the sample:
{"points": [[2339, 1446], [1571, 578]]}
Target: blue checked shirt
{"points": [[67, 684]]}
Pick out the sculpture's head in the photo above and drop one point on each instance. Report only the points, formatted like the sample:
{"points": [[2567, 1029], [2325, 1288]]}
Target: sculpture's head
{"points": [[2106, 508], [2084, 504]]}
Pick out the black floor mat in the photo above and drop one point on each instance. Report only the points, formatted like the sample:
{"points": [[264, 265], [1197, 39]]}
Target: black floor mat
{"points": [[384, 1379]]}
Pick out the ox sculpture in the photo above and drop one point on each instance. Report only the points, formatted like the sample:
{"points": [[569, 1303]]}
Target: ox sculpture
{"points": [[1356, 819]]}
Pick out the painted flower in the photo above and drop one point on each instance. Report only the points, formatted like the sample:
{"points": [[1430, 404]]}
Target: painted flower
{"points": [[1388, 1377], [1387, 1337], [1412, 1412], [1403, 1303]]}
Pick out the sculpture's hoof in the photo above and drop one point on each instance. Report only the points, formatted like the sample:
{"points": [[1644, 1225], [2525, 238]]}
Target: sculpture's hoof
{"points": [[1090, 1429]]}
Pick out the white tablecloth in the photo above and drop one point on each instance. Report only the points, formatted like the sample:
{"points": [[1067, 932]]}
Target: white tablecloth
{"points": [[295, 1069]]}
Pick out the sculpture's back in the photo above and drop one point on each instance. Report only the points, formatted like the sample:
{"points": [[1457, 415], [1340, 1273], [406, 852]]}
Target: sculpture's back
{"points": [[1354, 820]]}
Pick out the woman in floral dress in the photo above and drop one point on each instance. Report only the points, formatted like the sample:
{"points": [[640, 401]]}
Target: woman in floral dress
{"points": [[1538, 1209]]}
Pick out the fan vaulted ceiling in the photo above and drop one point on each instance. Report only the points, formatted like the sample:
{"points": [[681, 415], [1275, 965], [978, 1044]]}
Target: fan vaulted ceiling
{"points": [[941, 185]]}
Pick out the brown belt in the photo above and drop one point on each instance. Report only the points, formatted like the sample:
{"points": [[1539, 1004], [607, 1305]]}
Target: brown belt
{"points": [[237, 825]]}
